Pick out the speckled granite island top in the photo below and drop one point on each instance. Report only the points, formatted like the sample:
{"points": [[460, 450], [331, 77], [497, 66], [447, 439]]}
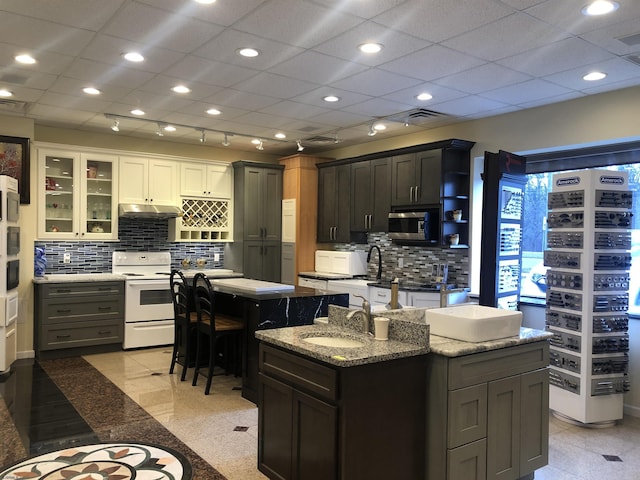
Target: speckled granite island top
{"points": [[79, 277], [373, 351], [449, 347]]}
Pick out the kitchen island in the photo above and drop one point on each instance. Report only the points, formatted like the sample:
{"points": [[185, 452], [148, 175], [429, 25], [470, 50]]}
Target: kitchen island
{"points": [[481, 408]]}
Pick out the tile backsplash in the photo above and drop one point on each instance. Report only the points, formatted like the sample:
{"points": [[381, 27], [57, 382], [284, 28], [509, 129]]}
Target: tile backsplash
{"points": [[135, 235]]}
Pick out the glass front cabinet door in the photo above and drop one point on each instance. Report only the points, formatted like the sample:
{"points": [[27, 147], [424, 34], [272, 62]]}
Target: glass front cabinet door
{"points": [[77, 195]]}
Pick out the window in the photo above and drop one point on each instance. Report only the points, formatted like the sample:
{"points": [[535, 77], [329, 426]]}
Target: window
{"points": [[535, 235]]}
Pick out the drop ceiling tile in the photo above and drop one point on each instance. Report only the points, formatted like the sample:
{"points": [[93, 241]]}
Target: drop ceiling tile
{"points": [[556, 57], [438, 21], [220, 13], [240, 99], [209, 72], [522, 4], [74, 86], [151, 103], [551, 99], [469, 105], [378, 107], [341, 118], [25, 94], [290, 109], [224, 48], [162, 85], [317, 68], [485, 77], [36, 35], [84, 14], [368, 9], [617, 70], [304, 128], [612, 86], [506, 37], [264, 120], [528, 91], [431, 63], [375, 82], [315, 97], [395, 44], [275, 86], [304, 24], [438, 92], [199, 109], [48, 62], [22, 77], [109, 49], [145, 24], [608, 37], [91, 104], [60, 114], [100, 74]]}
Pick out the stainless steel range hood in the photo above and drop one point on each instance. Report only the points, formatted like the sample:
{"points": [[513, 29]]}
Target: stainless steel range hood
{"points": [[132, 210]]}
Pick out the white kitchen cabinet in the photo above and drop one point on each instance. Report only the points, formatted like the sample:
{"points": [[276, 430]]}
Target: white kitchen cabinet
{"points": [[345, 263], [423, 299], [148, 181], [205, 180], [352, 287], [317, 283], [77, 195]]}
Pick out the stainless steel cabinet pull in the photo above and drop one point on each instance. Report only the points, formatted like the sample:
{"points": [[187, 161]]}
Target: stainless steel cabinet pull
{"points": [[415, 192], [104, 308], [104, 332], [411, 194], [64, 311], [63, 336]]}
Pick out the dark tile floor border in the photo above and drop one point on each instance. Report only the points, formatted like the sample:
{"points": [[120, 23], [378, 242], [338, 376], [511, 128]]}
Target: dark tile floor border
{"points": [[113, 416]]}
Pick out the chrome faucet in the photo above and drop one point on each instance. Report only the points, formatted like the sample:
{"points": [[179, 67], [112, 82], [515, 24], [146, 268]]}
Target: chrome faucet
{"points": [[379, 274], [365, 312]]}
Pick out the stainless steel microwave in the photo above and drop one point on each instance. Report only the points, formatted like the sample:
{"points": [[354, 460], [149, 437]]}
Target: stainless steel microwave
{"points": [[419, 226]]}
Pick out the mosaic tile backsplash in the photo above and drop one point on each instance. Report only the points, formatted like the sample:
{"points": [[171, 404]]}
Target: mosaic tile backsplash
{"points": [[135, 235], [151, 235]]}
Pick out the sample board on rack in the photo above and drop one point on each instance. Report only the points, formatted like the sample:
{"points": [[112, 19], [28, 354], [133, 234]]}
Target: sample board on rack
{"points": [[588, 255]]}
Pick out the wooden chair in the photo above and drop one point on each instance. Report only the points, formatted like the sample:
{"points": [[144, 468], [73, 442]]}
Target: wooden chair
{"points": [[216, 328], [185, 325]]}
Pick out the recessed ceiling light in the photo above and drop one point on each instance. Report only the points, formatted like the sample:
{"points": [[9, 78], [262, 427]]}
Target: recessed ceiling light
{"points": [[214, 111], [380, 126], [248, 52], [331, 98], [600, 7], [370, 47], [91, 91], [181, 89], [593, 76], [256, 141], [5, 93], [170, 128], [280, 135], [133, 57], [424, 96], [137, 111], [206, 2], [25, 59]]}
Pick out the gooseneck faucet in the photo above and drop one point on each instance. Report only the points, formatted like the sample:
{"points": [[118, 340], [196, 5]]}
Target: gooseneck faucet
{"points": [[379, 274]]}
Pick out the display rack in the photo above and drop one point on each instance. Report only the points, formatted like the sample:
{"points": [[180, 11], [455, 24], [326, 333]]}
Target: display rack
{"points": [[588, 255], [202, 220]]}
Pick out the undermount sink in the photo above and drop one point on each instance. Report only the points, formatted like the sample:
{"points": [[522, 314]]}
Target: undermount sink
{"points": [[473, 323], [334, 342]]}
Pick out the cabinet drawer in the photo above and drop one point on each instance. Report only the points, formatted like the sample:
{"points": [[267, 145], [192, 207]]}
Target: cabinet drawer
{"points": [[467, 415], [73, 289], [468, 462], [505, 362], [79, 310], [80, 335], [299, 372]]}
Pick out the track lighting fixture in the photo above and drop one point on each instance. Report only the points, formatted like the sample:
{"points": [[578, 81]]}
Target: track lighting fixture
{"points": [[259, 146], [371, 131], [335, 138], [159, 131], [300, 147], [116, 126], [202, 136], [226, 142], [406, 122]]}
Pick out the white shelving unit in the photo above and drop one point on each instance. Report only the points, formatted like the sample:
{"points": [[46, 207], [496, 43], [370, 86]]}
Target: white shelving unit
{"points": [[588, 252]]}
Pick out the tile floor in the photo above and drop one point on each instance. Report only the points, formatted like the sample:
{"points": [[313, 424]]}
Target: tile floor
{"points": [[222, 427]]}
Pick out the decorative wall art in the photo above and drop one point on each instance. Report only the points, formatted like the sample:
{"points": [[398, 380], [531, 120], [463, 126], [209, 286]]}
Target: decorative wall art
{"points": [[14, 161]]}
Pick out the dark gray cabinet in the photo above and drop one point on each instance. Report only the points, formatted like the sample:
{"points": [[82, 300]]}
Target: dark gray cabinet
{"points": [[77, 318], [415, 178], [487, 414], [370, 195], [256, 248], [334, 183], [318, 421]]}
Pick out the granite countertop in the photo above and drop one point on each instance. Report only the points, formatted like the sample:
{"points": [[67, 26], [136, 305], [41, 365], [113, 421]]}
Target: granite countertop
{"points": [[79, 277], [449, 347], [329, 276]]}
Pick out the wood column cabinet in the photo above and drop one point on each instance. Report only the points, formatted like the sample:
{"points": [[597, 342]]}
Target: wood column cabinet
{"points": [[370, 195], [487, 414], [334, 184], [321, 422], [257, 221], [78, 318]]}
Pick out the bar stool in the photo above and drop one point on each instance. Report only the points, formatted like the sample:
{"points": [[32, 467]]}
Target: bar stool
{"points": [[215, 327], [185, 323]]}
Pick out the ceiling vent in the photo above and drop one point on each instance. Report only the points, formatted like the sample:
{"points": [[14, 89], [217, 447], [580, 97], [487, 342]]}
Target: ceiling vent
{"points": [[417, 116], [635, 59], [13, 106], [631, 40], [320, 139]]}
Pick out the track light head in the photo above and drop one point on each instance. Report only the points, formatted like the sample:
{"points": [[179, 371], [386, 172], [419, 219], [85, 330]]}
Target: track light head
{"points": [[226, 142], [203, 138], [260, 146], [371, 131], [300, 147], [116, 126]]}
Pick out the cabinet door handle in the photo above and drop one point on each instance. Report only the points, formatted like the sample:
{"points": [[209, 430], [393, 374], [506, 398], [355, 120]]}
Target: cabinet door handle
{"points": [[103, 309], [68, 310], [63, 336], [104, 289], [417, 189], [104, 332], [411, 194], [63, 290]]}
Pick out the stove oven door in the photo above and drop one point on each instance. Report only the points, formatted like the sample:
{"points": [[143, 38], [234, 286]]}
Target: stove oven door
{"points": [[148, 314]]}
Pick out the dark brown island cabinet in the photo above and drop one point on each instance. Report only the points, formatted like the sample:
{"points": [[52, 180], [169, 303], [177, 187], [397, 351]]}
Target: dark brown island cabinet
{"points": [[322, 422], [488, 414]]}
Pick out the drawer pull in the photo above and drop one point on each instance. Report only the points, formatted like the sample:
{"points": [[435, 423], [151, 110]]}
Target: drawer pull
{"points": [[63, 336], [68, 310], [104, 332], [63, 290], [104, 289], [104, 308]]}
